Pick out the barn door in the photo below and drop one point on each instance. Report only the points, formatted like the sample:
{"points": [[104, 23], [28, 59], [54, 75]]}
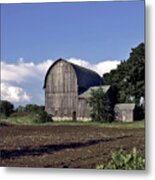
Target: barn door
{"points": [[74, 116]]}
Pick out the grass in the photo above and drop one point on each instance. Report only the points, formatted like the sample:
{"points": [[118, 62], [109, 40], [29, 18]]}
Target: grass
{"points": [[21, 120], [28, 120], [135, 124]]}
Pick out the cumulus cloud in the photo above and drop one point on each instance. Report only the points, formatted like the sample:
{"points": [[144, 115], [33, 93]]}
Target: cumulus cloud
{"points": [[13, 93], [101, 67], [22, 71], [13, 76]]}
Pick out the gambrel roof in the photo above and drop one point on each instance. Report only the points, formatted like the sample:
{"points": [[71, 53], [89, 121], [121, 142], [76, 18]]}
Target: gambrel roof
{"points": [[86, 78]]}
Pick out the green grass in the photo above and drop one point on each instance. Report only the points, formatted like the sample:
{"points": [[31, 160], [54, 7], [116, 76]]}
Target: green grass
{"points": [[29, 120], [135, 124], [24, 120]]}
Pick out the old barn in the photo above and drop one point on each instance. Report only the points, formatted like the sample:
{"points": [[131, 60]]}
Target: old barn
{"points": [[67, 87]]}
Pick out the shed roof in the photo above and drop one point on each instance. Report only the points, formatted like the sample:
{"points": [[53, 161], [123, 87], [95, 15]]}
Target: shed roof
{"points": [[87, 93], [125, 106], [85, 77]]}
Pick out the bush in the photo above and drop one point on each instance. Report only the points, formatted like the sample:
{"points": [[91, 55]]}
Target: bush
{"points": [[6, 108], [101, 108], [123, 160], [42, 117], [33, 108]]}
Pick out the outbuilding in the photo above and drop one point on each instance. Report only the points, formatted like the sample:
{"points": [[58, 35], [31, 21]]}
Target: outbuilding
{"points": [[125, 112]]}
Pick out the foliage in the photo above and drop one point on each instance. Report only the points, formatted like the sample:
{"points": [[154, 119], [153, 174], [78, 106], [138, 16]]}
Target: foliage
{"points": [[41, 117], [30, 114], [20, 109], [6, 108], [101, 109], [33, 108], [123, 160], [128, 78]]}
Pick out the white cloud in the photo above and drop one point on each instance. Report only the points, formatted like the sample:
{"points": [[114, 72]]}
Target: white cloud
{"points": [[105, 66], [14, 76], [22, 72], [100, 68], [13, 93], [43, 66]]}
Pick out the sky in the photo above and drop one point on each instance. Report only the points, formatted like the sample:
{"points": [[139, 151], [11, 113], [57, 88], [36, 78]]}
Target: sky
{"points": [[96, 35]]}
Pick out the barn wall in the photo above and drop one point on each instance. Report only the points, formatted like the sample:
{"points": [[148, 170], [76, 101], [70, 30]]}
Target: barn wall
{"points": [[61, 91], [83, 109]]}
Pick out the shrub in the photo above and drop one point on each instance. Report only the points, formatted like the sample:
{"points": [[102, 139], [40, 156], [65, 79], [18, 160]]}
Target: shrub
{"points": [[123, 160], [6, 108], [32, 108], [41, 117], [101, 108]]}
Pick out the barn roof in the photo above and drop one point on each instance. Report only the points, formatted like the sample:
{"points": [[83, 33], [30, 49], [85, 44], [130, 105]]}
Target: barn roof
{"points": [[125, 106], [87, 93], [85, 77]]}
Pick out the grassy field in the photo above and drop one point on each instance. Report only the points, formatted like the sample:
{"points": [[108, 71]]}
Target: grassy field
{"points": [[28, 120]]}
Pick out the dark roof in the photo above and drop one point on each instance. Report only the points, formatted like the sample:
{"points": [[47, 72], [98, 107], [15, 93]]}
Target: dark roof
{"points": [[86, 78], [125, 106]]}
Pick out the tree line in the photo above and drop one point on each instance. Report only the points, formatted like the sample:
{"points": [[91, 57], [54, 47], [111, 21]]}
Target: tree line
{"points": [[36, 112]]}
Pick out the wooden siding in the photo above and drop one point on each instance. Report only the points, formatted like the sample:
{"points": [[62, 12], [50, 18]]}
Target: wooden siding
{"points": [[83, 109], [124, 115], [63, 84], [61, 90]]}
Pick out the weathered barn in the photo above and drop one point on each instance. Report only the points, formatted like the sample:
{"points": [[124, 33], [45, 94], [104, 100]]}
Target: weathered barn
{"points": [[125, 112], [66, 88]]}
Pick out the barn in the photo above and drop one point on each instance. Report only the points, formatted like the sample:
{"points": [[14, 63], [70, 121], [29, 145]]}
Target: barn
{"points": [[67, 87]]}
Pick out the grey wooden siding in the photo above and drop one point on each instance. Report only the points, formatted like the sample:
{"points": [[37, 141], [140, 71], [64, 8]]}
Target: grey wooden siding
{"points": [[124, 112], [83, 108], [64, 82], [61, 90]]}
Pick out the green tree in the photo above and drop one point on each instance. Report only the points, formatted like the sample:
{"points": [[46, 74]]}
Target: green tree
{"points": [[20, 108], [6, 108], [101, 108], [129, 77], [33, 108]]}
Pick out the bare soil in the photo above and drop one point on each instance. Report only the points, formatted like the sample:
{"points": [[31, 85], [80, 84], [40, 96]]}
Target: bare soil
{"points": [[64, 146]]}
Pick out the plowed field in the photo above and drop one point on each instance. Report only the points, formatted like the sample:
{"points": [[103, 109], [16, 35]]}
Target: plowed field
{"points": [[64, 146]]}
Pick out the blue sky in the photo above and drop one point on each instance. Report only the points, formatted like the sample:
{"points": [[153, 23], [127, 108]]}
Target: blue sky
{"points": [[97, 35], [94, 31]]}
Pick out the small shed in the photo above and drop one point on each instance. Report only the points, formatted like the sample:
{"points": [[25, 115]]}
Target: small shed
{"points": [[125, 112]]}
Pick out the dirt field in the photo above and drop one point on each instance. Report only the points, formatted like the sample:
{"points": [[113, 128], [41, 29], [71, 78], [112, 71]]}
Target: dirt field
{"points": [[64, 146]]}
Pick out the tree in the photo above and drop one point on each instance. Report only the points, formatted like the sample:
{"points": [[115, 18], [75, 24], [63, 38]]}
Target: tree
{"points": [[6, 108], [101, 108], [32, 108], [129, 77], [20, 108]]}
